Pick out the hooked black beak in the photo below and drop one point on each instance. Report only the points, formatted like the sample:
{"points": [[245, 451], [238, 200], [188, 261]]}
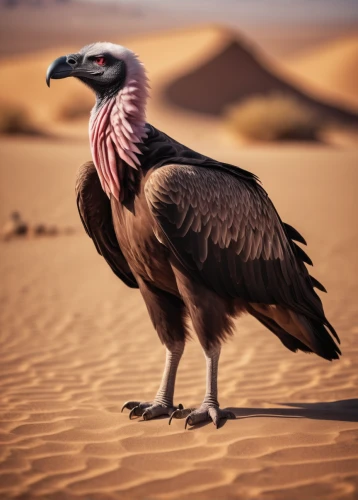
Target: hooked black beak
{"points": [[60, 68]]}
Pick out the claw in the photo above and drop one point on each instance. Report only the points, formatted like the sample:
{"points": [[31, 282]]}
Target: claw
{"points": [[216, 422], [215, 416], [130, 405], [133, 412], [187, 421], [181, 412], [147, 415]]}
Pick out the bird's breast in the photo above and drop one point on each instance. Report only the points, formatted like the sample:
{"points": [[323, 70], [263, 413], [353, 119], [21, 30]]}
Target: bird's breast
{"points": [[145, 253]]}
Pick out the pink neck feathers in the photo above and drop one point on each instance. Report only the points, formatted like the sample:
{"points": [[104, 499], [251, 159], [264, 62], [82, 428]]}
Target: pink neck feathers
{"points": [[117, 126]]}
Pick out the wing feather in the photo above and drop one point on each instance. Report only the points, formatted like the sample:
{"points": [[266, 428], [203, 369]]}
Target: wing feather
{"points": [[95, 212], [226, 232]]}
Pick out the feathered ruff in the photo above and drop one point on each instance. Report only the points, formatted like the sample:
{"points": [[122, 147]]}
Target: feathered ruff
{"points": [[118, 126]]}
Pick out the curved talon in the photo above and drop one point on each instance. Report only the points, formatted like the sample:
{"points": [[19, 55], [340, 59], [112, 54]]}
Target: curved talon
{"points": [[175, 412], [124, 406], [171, 417], [133, 412], [130, 405], [187, 421], [180, 412], [147, 415]]}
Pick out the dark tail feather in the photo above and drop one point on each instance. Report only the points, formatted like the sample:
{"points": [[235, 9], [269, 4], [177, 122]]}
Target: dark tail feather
{"points": [[333, 331], [287, 340], [317, 284], [321, 339], [301, 254], [293, 234], [306, 334]]}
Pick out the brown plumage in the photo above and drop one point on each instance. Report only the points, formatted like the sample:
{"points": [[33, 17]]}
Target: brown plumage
{"points": [[201, 239]]}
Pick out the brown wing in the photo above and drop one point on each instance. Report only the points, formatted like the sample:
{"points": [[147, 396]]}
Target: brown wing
{"points": [[226, 232], [95, 211]]}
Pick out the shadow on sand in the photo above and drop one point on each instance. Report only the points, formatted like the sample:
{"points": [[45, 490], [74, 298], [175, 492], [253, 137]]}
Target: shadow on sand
{"points": [[345, 410]]}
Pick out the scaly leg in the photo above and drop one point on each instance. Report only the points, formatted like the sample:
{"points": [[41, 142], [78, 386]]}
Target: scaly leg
{"points": [[168, 316], [163, 401], [209, 409]]}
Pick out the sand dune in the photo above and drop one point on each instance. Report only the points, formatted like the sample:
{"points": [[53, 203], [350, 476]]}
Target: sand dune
{"points": [[76, 343], [331, 69], [194, 72], [165, 56], [234, 72]]}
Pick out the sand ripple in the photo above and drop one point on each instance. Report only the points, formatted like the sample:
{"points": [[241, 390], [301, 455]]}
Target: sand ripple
{"points": [[75, 344]]}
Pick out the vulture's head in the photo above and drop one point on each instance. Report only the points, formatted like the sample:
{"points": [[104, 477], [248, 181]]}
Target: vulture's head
{"points": [[104, 67]]}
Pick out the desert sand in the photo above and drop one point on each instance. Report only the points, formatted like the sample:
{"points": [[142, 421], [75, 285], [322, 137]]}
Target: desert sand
{"points": [[76, 343]]}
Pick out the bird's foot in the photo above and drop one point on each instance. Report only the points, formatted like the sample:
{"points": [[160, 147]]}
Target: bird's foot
{"points": [[149, 410], [206, 412]]}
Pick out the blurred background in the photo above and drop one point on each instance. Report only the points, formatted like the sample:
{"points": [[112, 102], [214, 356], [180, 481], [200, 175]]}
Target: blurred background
{"points": [[242, 72], [264, 71], [224, 76], [268, 85]]}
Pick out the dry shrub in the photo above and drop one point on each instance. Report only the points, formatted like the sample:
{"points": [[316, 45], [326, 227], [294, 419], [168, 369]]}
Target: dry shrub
{"points": [[14, 120], [76, 108], [275, 117]]}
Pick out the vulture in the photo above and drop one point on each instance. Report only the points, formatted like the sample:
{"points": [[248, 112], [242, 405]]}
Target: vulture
{"points": [[199, 238]]}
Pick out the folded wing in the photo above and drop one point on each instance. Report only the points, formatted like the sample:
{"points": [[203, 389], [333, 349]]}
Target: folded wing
{"points": [[226, 232], [95, 211]]}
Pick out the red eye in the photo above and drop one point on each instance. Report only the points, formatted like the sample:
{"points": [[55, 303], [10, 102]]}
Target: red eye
{"points": [[101, 61]]}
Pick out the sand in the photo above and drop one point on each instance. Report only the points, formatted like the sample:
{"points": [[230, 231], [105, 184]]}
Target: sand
{"points": [[75, 343]]}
